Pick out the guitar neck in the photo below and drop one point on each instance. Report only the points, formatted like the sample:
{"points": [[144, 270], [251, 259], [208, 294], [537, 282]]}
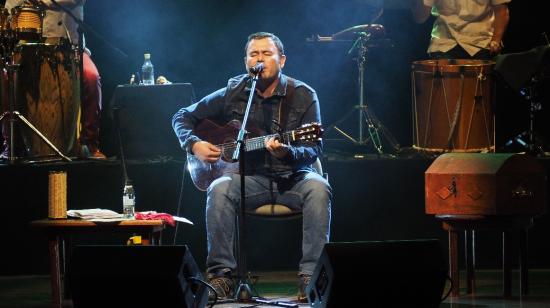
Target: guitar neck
{"points": [[258, 143]]}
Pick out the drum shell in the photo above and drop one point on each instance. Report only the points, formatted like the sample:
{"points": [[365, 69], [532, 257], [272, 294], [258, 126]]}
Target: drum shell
{"points": [[453, 91], [26, 22], [48, 95]]}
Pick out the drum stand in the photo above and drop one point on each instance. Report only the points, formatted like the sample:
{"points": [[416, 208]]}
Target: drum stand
{"points": [[532, 144], [13, 115], [366, 115], [526, 68]]}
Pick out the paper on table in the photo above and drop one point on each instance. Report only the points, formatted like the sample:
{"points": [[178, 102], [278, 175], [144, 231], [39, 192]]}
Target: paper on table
{"points": [[183, 219], [94, 214], [102, 215]]}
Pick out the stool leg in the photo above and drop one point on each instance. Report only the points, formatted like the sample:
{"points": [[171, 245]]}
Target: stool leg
{"points": [[523, 265], [506, 272], [469, 247], [453, 263]]}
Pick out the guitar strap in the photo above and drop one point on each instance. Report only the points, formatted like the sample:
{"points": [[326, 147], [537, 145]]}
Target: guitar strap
{"points": [[285, 103]]}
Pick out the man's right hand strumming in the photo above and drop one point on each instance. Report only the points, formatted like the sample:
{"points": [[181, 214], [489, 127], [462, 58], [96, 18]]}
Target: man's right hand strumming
{"points": [[206, 151]]}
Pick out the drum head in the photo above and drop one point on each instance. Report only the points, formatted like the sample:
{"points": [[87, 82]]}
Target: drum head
{"points": [[453, 65], [27, 22]]}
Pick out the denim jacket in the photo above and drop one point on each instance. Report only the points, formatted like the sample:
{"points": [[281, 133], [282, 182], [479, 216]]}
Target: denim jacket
{"points": [[229, 103]]}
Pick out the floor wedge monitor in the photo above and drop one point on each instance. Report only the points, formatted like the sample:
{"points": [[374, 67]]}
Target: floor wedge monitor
{"points": [[135, 276], [407, 273]]}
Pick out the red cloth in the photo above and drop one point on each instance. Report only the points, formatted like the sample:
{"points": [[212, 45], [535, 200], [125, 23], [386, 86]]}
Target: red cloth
{"points": [[152, 215]]}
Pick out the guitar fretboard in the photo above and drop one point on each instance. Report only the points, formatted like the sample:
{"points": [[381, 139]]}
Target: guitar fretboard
{"points": [[257, 143]]}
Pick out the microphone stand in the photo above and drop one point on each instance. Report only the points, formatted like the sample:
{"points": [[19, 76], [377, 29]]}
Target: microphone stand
{"points": [[243, 292]]}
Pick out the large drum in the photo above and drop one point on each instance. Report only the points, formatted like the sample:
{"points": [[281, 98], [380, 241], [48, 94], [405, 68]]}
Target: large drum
{"points": [[453, 103], [48, 95]]}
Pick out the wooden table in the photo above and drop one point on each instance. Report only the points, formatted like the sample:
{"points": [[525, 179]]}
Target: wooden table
{"points": [[57, 230]]}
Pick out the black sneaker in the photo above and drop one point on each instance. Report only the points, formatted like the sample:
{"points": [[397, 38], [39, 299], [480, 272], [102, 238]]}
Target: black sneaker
{"points": [[224, 286], [302, 284]]}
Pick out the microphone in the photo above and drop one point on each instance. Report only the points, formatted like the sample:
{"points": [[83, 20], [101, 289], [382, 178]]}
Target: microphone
{"points": [[256, 69]]}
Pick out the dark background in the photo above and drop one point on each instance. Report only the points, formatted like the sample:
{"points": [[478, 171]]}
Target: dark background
{"points": [[201, 42]]}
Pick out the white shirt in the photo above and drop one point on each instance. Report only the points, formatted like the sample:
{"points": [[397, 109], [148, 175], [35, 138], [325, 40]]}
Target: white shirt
{"points": [[56, 22], [469, 23]]}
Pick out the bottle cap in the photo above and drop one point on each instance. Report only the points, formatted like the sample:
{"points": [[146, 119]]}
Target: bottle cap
{"points": [[147, 56]]}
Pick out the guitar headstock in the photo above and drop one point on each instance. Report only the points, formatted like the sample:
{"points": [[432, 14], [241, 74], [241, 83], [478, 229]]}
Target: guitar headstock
{"points": [[308, 132]]}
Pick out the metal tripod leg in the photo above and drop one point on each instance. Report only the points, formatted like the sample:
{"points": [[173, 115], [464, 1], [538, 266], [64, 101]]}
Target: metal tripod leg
{"points": [[341, 131], [35, 130], [374, 126]]}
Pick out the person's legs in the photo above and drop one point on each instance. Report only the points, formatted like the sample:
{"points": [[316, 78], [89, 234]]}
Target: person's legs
{"points": [[311, 194], [222, 205], [91, 108], [314, 194], [317, 196]]}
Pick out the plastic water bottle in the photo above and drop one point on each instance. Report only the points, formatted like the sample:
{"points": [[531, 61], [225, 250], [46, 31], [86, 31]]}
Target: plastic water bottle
{"points": [[147, 70], [128, 200]]}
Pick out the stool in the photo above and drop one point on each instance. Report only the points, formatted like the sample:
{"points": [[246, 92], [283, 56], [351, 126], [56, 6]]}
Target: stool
{"points": [[469, 224]]}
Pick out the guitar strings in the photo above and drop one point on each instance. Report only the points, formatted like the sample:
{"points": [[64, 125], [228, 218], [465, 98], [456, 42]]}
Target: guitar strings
{"points": [[255, 140]]}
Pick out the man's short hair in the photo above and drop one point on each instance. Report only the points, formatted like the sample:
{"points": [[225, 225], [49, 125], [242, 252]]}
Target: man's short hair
{"points": [[261, 35]]}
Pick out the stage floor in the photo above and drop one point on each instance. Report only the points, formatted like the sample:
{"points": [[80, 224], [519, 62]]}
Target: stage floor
{"points": [[34, 291]]}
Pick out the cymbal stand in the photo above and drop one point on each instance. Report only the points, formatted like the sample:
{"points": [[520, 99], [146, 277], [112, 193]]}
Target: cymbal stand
{"points": [[366, 115], [13, 115]]}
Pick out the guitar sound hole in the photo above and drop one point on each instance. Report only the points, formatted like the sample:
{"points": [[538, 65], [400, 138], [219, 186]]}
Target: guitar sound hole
{"points": [[227, 151]]}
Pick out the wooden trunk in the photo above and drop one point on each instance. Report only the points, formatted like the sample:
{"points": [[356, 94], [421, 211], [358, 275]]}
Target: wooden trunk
{"points": [[485, 184]]}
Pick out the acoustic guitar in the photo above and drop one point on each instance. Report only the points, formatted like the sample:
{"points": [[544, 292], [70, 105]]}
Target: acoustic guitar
{"points": [[204, 173]]}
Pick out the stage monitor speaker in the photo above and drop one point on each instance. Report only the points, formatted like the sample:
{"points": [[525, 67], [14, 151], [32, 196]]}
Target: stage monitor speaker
{"points": [[379, 274], [145, 118], [135, 276]]}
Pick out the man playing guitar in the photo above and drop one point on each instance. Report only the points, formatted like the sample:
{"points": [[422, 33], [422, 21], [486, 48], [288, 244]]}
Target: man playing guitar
{"points": [[277, 172]]}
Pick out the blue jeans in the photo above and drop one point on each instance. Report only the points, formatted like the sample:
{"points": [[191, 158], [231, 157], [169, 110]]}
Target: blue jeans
{"points": [[308, 192]]}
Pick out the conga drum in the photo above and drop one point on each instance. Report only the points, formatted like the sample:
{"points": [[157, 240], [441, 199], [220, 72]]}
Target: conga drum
{"points": [[4, 21], [5, 33], [453, 103], [26, 22], [48, 96]]}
